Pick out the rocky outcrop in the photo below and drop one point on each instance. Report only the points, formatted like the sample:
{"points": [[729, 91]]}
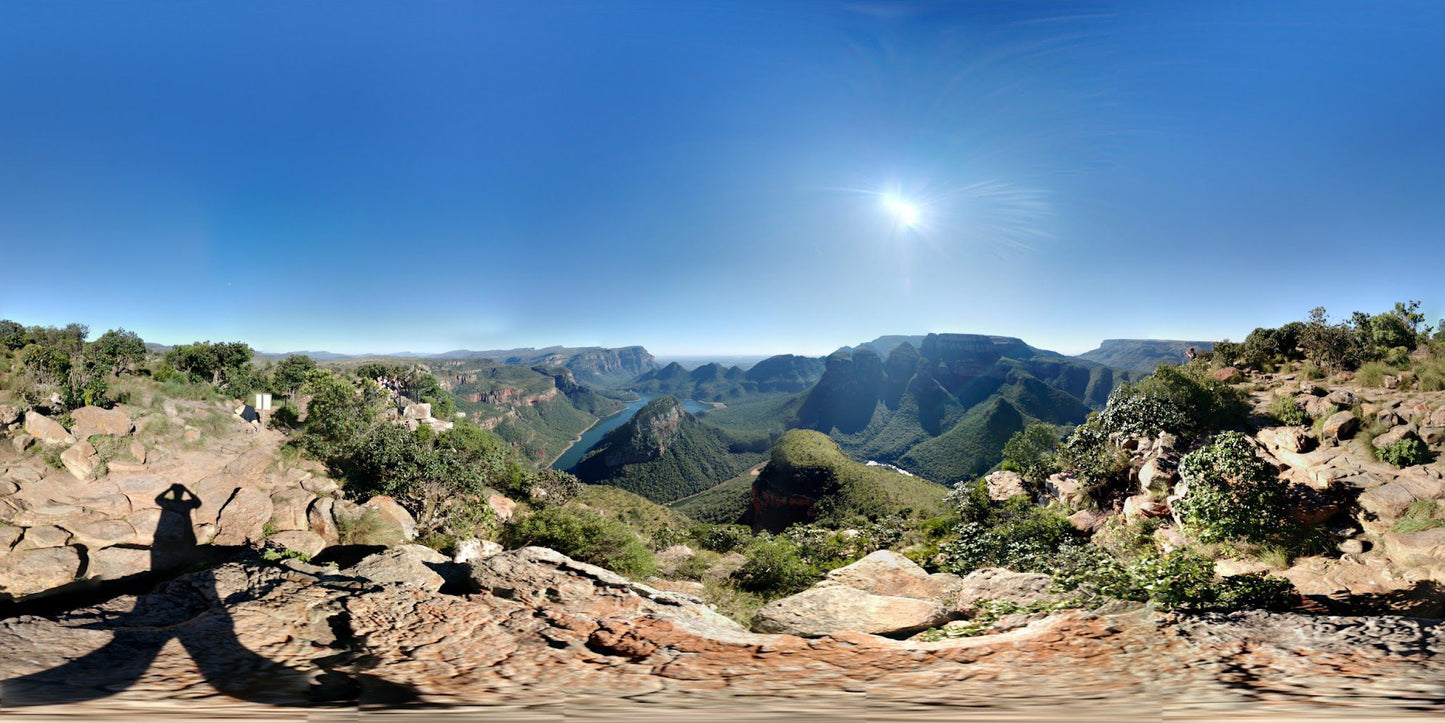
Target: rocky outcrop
{"points": [[836, 609], [46, 430], [91, 421]]}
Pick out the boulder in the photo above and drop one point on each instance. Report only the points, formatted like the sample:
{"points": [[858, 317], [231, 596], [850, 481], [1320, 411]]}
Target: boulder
{"points": [[1386, 502], [28, 572], [413, 565], [90, 421], [1433, 435], [1343, 398], [1156, 474], [100, 533], [320, 486], [1394, 436], [288, 509], [830, 610], [888, 573], [114, 563], [417, 410], [307, 543], [1341, 426], [81, 460], [1089, 521], [473, 550], [1004, 484], [394, 516], [47, 430], [994, 583], [1228, 375], [321, 520], [1064, 488], [1425, 548], [1317, 407], [1293, 440], [1311, 389], [9, 416], [22, 442], [1145, 506], [502, 506], [138, 451], [243, 518]]}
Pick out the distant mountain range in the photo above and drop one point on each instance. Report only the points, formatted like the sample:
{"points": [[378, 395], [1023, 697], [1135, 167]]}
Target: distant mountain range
{"points": [[1142, 355], [712, 382], [589, 364]]}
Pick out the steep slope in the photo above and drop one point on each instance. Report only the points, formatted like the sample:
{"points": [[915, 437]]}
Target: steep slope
{"points": [[809, 479], [945, 408], [663, 453], [1142, 355], [784, 373]]}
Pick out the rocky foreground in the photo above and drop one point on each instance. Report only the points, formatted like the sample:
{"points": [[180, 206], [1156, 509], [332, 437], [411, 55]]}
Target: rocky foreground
{"points": [[532, 630]]}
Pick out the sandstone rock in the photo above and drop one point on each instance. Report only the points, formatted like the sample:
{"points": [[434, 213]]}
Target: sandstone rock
{"points": [[1064, 488], [1400, 433], [1389, 418], [413, 565], [91, 421], [539, 576], [22, 442], [1229, 567], [503, 507], [1311, 389], [1294, 440], [138, 451], [1004, 484], [47, 430], [320, 486], [1390, 381], [1424, 548], [213, 492], [100, 533], [42, 536], [81, 460], [191, 436], [145, 522], [9, 535], [993, 583], [473, 550], [1318, 407], [1343, 398], [321, 520], [1386, 502], [1145, 506], [114, 563], [8, 487], [252, 464], [9, 416], [1309, 507], [27, 572], [1228, 375], [1156, 474], [1089, 521], [837, 609], [243, 518], [302, 541], [1351, 546], [394, 516], [417, 410], [1341, 426], [888, 573], [288, 509]]}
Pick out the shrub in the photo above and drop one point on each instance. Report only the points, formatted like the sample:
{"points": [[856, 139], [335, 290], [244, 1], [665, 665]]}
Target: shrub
{"points": [[1371, 374], [584, 536], [1184, 580], [1407, 452], [1034, 452], [774, 568], [1285, 411], [721, 538], [1231, 494], [1015, 534], [1180, 400], [1099, 465]]}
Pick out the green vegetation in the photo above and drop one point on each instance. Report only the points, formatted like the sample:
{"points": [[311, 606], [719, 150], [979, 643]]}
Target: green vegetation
{"points": [[1033, 453], [585, 536], [726, 502], [1409, 451], [1143, 355], [808, 465], [663, 453], [1421, 515], [1232, 493], [1286, 411], [1373, 344], [1014, 534]]}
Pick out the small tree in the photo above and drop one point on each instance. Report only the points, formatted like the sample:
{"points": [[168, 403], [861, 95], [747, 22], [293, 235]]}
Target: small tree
{"points": [[118, 350], [1231, 494], [292, 372], [1034, 450]]}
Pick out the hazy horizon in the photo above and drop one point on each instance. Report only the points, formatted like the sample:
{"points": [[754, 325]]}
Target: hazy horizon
{"points": [[749, 178]]}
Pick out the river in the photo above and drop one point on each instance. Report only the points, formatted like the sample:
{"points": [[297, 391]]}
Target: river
{"points": [[592, 436]]}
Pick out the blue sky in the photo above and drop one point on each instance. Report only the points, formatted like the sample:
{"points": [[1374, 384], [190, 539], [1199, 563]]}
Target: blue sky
{"points": [[708, 177]]}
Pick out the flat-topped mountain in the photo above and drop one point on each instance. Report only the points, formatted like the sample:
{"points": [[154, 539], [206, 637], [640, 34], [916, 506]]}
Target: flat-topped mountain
{"points": [[784, 373], [1143, 355]]}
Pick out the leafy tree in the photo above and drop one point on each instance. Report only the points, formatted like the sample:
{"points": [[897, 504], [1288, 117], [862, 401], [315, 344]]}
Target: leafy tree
{"points": [[292, 372], [13, 335], [118, 350], [220, 360], [1333, 346], [1034, 450]]}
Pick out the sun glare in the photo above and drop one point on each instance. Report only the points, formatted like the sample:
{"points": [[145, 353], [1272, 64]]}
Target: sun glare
{"points": [[905, 212]]}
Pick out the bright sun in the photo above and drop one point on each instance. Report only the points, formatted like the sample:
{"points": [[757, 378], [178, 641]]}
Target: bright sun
{"points": [[906, 213]]}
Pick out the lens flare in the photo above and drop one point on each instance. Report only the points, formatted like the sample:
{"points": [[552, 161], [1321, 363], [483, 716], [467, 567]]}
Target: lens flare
{"points": [[905, 212]]}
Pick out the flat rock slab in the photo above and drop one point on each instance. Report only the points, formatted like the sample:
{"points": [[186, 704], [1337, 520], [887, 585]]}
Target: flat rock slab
{"points": [[90, 421], [837, 609]]}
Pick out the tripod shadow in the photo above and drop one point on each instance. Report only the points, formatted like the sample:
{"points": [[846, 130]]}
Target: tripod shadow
{"points": [[192, 613]]}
